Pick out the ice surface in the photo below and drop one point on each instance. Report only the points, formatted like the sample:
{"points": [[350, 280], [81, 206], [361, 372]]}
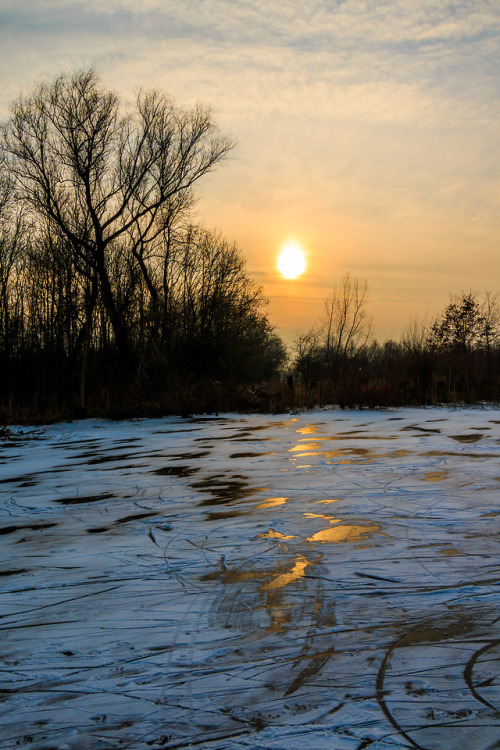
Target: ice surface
{"points": [[319, 580]]}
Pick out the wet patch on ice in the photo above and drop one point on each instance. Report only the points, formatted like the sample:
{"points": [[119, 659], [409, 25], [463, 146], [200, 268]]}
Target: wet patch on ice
{"points": [[82, 499], [26, 527], [222, 515], [471, 438], [24, 480], [177, 471], [14, 572], [252, 454], [189, 456], [224, 489], [119, 521]]}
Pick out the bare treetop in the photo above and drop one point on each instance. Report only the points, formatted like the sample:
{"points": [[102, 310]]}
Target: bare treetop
{"points": [[99, 175], [97, 172]]}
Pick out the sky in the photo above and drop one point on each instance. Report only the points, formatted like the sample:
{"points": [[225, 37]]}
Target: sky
{"points": [[367, 131]]}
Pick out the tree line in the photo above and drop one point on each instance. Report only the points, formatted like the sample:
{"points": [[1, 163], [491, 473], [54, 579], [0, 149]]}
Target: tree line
{"points": [[109, 293], [454, 357]]}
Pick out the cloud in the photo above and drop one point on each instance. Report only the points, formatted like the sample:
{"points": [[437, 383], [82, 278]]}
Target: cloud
{"points": [[342, 54]]}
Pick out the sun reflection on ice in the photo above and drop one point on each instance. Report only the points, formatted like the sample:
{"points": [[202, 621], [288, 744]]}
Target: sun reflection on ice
{"points": [[272, 502], [285, 578], [344, 533], [271, 534]]}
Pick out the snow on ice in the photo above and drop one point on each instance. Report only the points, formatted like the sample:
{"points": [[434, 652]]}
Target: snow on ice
{"points": [[321, 580]]}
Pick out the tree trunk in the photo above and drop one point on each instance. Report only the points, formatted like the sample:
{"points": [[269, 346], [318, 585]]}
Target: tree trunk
{"points": [[119, 328]]}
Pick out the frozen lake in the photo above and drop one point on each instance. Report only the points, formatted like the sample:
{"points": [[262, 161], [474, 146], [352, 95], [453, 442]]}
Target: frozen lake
{"points": [[323, 580]]}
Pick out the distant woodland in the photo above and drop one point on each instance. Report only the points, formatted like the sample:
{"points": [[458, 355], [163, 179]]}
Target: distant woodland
{"points": [[113, 302]]}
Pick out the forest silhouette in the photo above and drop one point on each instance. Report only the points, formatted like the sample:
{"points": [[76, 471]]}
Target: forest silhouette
{"points": [[113, 302]]}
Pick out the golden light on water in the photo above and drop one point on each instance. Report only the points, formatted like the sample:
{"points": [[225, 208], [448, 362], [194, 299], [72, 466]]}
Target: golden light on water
{"points": [[291, 261]]}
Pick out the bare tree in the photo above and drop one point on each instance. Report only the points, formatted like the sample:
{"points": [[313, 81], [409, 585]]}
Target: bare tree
{"points": [[415, 335], [106, 180], [347, 326], [12, 229], [490, 310]]}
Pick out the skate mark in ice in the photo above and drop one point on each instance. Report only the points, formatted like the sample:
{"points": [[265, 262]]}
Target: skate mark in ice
{"points": [[433, 661], [475, 683]]}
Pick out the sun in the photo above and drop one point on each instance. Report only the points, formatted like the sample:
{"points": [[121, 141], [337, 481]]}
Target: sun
{"points": [[291, 261]]}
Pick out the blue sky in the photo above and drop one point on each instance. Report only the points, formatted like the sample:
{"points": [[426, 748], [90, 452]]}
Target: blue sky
{"points": [[366, 130]]}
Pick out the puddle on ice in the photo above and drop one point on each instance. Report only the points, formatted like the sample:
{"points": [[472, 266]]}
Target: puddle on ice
{"points": [[283, 575], [345, 533], [310, 429], [304, 447], [271, 534], [331, 519], [217, 611], [272, 502], [283, 579], [365, 455], [436, 476]]}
